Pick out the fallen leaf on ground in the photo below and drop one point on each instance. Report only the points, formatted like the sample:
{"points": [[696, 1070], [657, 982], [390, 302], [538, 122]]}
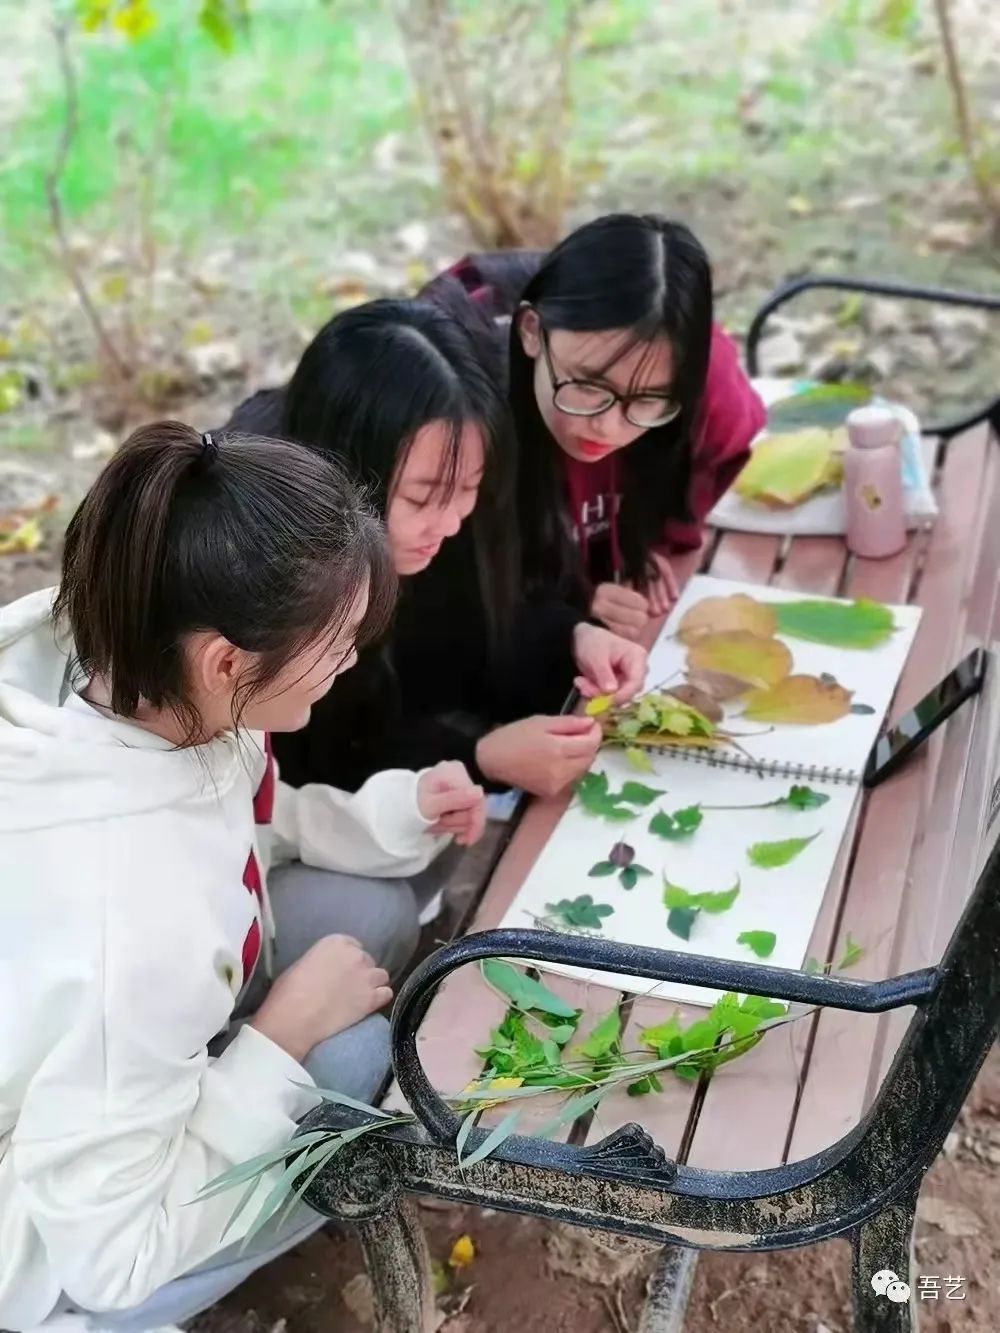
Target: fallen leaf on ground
{"points": [[759, 661], [800, 700], [462, 1252]]}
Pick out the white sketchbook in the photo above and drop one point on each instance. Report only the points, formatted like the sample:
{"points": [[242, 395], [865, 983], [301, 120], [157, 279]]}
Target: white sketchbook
{"points": [[784, 900]]}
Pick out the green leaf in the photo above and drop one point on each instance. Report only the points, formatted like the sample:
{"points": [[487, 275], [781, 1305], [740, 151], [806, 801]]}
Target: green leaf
{"points": [[661, 1035], [861, 624], [812, 966], [524, 992], [494, 1139], [853, 954], [604, 1038], [771, 855], [636, 758], [681, 824], [637, 793], [680, 920], [676, 897], [582, 911], [763, 1007], [762, 942], [862, 710], [803, 798], [826, 405], [648, 1083], [631, 874], [601, 869]]}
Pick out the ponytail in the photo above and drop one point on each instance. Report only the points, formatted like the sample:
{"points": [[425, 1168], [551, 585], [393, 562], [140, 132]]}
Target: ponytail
{"points": [[263, 541]]}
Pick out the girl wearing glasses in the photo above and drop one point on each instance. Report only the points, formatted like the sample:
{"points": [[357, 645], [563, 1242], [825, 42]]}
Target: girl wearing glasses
{"points": [[631, 410]]}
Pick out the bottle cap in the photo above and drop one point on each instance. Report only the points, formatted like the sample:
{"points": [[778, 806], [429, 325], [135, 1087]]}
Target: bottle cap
{"points": [[874, 427]]}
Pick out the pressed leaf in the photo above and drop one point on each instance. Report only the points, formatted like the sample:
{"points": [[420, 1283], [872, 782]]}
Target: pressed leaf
{"points": [[698, 699], [787, 469], [853, 954], [862, 710], [860, 624], [524, 992], [581, 912], [771, 855], [803, 798], [718, 685], [761, 942], [598, 705], [680, 824], [760, 662], [638, 759], [805, 701], [621, 854], [631, 875], [601, 868], [717, 615], [637, 793], [714, 902], [680, 921], [825, 405]]}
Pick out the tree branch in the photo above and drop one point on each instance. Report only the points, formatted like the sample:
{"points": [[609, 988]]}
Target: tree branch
{"points": [[963, 116], [53, 182]]}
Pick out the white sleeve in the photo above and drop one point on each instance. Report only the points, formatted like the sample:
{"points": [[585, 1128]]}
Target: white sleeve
{"points": [[127, 1118], [377, 831]]}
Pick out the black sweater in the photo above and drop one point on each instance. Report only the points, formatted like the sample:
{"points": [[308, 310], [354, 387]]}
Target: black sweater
{"points": [[435, 686]]}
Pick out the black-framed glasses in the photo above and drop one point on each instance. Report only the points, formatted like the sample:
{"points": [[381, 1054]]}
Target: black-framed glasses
{"points": [[584, 398]]}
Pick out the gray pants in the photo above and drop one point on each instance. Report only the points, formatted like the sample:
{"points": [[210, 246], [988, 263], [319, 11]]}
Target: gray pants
{"points": [[307, 904]]}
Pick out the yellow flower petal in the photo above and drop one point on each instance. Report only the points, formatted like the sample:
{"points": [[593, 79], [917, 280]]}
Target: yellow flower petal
{"points": [[462, 1253]]}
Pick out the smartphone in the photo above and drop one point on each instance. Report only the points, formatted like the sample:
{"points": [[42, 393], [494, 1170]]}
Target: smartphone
{"points": [[893, 749]]}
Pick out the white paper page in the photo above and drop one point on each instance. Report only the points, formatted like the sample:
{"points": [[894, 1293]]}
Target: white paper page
{"points": [[785, 900], [872, 674]]}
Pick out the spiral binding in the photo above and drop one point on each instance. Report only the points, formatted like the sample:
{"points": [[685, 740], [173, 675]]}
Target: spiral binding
{"points": [[769, 768]]}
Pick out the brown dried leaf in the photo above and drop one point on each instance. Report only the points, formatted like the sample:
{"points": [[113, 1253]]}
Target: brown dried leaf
{"points": [[717, 685], [759, 661], [802, 700], [717, 615], [696, 698]]}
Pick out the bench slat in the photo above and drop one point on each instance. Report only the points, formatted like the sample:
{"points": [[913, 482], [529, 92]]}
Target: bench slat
{"points": [[836, 1081]]}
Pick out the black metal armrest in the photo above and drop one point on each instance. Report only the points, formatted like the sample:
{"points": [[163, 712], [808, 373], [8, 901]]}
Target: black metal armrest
{"points": [[904, 291], [655, 965]]}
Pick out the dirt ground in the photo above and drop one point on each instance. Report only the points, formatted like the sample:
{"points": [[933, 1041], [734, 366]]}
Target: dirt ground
{"points": [[570, 1287]]}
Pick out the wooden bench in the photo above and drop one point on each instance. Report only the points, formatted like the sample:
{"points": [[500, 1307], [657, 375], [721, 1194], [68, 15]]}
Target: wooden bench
{"points": [[827, 1126]]}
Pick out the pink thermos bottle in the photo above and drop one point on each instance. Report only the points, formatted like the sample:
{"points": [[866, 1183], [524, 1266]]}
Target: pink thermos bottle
{"points": [[873, 483]]}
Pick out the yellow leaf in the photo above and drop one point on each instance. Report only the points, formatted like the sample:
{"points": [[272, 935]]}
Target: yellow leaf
{"points": [[802, 700], [134, 19], [714, 615], [787, 469], [759, 661], [462, 1253], [598, 705], [27, 537], [502, 1084], [799, 205]]}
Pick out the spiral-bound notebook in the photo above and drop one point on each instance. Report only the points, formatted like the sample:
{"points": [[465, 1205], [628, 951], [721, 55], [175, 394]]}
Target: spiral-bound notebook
{"points": [[737, 793]]}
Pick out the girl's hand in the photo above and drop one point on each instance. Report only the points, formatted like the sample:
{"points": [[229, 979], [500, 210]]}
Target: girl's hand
{"points": [[334, 985], [452, 802], [608, 664], [662, 590], [621, 608], [540, 755]]}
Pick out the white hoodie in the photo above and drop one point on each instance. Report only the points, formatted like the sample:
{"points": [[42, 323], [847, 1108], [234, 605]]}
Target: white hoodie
{"points": [[130, 907]]}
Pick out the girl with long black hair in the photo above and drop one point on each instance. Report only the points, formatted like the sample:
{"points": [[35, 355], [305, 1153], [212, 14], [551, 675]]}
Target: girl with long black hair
{"points": [[630, 408]]}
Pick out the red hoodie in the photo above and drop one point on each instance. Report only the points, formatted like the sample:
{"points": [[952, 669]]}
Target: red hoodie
{"points": [[731, 415]]}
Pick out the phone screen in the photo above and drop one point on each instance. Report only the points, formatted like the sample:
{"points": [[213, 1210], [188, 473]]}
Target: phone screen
{"points": [[916, 725]]}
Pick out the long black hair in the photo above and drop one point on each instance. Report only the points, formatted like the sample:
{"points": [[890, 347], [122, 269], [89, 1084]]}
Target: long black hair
{"points": [[650, 277], [373, 377], [261, 540]]}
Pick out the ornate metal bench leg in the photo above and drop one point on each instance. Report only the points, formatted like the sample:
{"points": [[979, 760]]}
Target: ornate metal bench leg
{"points": [[669, 1289], [399, 1268], [884, 1243]]}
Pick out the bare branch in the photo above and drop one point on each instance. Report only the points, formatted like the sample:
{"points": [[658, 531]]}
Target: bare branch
{"points": [[989, 197], [53, 183]]}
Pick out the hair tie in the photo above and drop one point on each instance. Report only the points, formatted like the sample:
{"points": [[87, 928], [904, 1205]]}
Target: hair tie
{"points": [[209, 448]]}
